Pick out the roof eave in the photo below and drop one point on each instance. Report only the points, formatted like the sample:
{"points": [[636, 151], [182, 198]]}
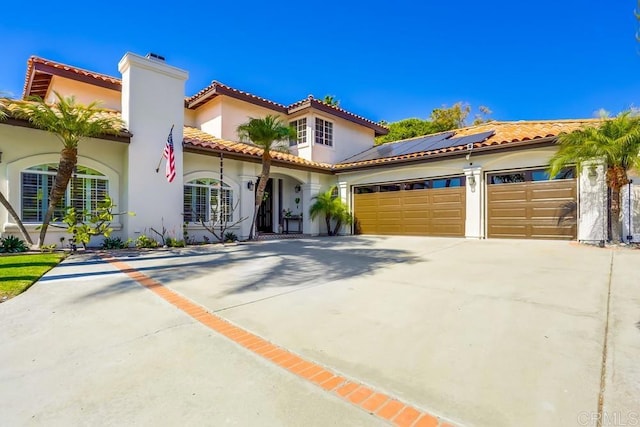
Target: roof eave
{"points": [[321, 106], [189, 148]]}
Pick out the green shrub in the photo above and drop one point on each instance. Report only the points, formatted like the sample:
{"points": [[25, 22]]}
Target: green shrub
{"points": [[144, 241], [230, 236], [12, 244], [175, 243], [115, 243]]}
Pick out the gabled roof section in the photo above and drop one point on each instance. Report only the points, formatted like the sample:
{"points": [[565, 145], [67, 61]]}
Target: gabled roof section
{"points": [[311, 102], [201, 141], [504, 134], [216, 88], [40, 72]]}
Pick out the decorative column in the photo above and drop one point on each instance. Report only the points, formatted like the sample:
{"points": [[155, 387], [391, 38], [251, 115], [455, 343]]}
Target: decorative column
{"points": [[592, 221], [152, 102], [474, 222], [344, 196], [309, 226], [247, 203]]}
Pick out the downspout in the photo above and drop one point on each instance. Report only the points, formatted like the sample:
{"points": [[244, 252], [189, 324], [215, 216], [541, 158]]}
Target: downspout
{"points": [[630, 234]]}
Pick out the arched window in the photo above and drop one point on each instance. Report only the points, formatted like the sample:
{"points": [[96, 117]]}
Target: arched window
{"points": [[207, 199], [86, 188]]}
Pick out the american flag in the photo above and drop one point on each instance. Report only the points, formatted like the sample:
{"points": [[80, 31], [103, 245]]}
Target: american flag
{"points": [[168, 154]]}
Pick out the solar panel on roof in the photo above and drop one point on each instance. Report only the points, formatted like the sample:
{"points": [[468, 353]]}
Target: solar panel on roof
{"points": [[418, 145], [398, 148], [462, 140]]}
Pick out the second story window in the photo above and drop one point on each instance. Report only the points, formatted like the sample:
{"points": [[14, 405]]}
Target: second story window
{"points": [[324, 132], [300, 126]]}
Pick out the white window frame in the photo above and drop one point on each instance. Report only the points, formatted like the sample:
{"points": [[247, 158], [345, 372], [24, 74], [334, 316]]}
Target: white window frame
{"points": [[300, 125], [210, 189], [88, 203], [323, 132]]}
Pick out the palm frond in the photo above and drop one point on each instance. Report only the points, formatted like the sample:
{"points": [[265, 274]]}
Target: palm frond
{"points": [[67, 120]]}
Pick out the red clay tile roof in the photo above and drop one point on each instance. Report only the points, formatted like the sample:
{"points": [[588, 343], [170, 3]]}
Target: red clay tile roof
{"points": [[505, 133], [40, 70], [201, 140], [311, 102], [216, 88]]}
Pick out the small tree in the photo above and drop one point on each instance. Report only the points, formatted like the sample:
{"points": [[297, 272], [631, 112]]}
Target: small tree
{"points": [[4, 102], [71, 123], [220, 222], [332, 207], [84, 225], [616, 142], [270, 134]]}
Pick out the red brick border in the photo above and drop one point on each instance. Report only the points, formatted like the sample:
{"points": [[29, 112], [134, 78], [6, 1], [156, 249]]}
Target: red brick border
{"points": [[381, 405]]}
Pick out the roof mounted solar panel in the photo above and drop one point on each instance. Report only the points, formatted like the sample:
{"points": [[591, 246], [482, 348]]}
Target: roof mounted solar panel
{"points": [[462, 140], [417, 145]]}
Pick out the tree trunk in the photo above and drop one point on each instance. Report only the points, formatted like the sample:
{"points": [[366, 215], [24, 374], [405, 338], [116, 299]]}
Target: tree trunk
{"points": [[68, 161], [262, 184], [327, 218], [336, 230], [616, 225], [16, 218]]}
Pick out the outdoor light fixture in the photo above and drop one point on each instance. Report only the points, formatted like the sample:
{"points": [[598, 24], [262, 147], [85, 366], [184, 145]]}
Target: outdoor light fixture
{"points": [[593, 172], [297, 188], [472, 180], [250, 185]]}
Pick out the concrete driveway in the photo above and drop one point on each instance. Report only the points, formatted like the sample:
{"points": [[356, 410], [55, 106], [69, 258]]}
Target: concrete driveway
{"points": [[491, 332]]}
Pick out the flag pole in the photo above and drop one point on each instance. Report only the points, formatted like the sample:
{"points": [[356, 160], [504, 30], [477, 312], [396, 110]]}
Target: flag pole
{"points": [[162, 155]]}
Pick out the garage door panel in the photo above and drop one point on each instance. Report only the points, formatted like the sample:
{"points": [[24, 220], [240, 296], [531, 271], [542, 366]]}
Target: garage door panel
{"points": [[428, 212], [531, 210], [453, 214]]}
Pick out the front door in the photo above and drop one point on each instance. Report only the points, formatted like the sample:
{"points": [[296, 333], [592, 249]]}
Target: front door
{"points": [[265, 213]]}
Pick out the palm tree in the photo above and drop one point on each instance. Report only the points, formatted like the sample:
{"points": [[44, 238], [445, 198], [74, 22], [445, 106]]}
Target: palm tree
{"points": [[324, 204], [616, 142], [4, 102], [71, 123], [331, 100], [329, 204], [270, 134]]}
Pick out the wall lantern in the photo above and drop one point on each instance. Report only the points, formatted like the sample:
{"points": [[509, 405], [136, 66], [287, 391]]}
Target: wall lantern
{"points": [[593, 172], [250, 185], [472, 180], [297, 188]]}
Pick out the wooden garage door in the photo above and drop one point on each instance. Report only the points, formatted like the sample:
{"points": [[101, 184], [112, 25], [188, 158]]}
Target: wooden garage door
{"points": [[412, 209], [525, 204]]}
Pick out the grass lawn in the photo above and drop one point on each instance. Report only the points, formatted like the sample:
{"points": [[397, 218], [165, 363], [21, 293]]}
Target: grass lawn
{"points": [[18, 272]]}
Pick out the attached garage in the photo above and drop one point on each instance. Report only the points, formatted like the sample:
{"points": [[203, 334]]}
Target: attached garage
{"points": [[525, 204], [428, 207]]}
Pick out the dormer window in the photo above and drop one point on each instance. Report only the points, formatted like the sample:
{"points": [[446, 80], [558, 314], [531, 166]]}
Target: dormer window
{"points": [[324, 132], [300, 127]]}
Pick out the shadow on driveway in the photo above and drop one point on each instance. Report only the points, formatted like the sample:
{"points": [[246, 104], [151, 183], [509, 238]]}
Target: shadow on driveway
{"points": [[283, 263]]}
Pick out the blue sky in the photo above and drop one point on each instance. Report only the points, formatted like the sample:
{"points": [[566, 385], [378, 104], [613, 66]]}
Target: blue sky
{"points": [[547, 59]]}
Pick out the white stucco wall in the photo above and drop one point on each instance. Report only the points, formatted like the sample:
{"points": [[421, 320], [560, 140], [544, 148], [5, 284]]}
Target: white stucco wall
{"points": [[235, 113], [348, 139], [208, 117], [24, 147], [83, 92]]}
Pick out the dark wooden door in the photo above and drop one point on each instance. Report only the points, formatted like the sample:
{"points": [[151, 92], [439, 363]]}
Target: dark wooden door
{"points": [[265, 213]]}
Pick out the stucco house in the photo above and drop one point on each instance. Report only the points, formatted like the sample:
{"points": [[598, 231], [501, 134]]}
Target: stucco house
{"points": [[485, 181]]}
